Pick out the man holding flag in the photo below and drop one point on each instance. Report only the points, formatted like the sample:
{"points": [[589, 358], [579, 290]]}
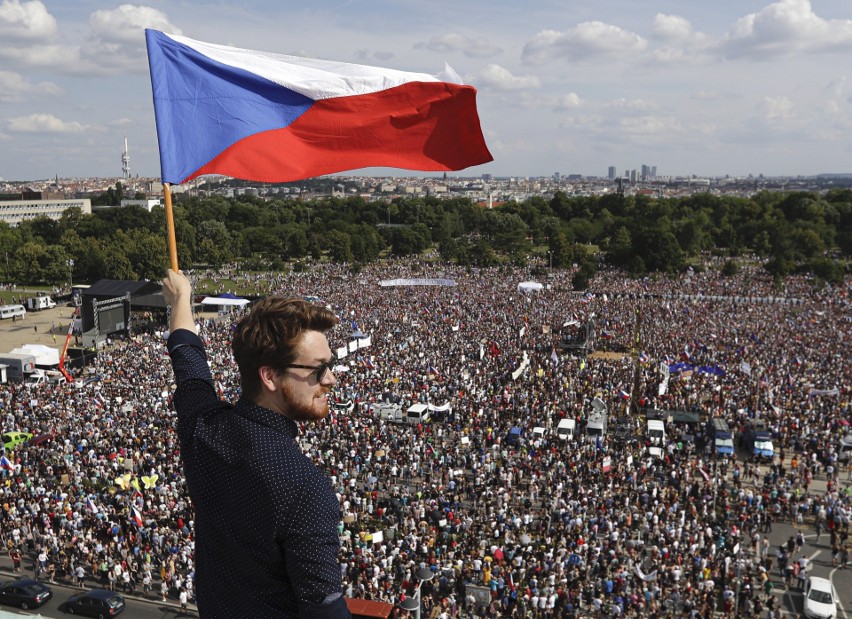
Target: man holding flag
{"points": [[266, 516]]}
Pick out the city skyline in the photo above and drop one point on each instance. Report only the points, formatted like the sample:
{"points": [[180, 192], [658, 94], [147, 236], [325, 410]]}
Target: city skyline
{"points": [[736, 88]]}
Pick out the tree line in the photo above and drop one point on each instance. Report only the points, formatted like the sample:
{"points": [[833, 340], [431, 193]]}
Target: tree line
{"points": [[794, 232]]}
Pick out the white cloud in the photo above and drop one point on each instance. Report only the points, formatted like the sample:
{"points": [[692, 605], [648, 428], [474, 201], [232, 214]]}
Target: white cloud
{"points": [[29, 38], [118, 37], [498, 78], [586, 41], [127, 23], [25, 21], [670, 28], [630, 105], [44, 123], [368, 56], [58, 58], [571, 101], [785, 28], [15, 88], [833, 102], [774, 109], [455, 42]]}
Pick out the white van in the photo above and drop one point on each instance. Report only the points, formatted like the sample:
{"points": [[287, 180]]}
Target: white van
{"points": [[566, 429], [844, 449], [656, 432], [12, 311], [417, 413], [40, 303]]}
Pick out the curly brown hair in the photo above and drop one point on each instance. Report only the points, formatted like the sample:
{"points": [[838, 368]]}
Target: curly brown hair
{"points": [[270, 334]]}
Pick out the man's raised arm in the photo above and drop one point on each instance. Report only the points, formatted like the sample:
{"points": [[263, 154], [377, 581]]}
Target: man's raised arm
{"points": [[177, 291]]}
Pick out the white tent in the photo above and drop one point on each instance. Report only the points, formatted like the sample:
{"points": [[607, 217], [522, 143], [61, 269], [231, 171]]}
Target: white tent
{"points": [[224, 301], [44, 355], [530, 287]]}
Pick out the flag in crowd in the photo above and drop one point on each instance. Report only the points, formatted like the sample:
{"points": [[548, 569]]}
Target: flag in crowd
{"points": [[90, 505]]}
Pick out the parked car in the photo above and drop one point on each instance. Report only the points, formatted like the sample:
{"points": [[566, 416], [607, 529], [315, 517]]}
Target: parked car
{"points": [[98, 603], [25, 593], [820, 599], [12, 439]]}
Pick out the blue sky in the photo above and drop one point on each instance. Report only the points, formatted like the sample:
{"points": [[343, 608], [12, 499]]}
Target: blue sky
{"points": [[692, 86]]}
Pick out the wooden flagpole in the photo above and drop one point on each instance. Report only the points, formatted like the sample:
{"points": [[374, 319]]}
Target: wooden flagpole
{"points": [[170, 228]]}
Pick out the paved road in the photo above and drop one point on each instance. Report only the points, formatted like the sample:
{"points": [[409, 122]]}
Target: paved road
{"points": [[137, 606], [819, 557]]}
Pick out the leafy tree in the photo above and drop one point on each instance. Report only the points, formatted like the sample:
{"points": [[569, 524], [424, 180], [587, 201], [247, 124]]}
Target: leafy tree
{"points": [[826, 269], [620, 248], [214, 244], [408, 241], [54, 266], [147, 253], [367, 244], [730, 268], [28, 260], [296, 243], [339, 246]]}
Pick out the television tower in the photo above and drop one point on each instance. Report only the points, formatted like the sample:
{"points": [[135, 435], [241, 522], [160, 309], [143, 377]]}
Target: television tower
{"points": [[125, 160]]}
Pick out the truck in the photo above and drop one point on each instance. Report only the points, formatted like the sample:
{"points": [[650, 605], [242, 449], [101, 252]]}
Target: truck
{"points": [[417, 413], [757, 440], [389, 412], [596, 425], [515, 436], [18, 366], [566, 429], [844, 448], [39, 377], [35, 304], [656, 432], [720, 433]]}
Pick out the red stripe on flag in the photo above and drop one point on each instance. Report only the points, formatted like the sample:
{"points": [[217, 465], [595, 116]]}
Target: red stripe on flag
{"points": [[420, 126]]}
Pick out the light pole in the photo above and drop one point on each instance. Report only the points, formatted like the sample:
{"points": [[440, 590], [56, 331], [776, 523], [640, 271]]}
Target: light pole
{"points": [[71, 274], [423, 574]]}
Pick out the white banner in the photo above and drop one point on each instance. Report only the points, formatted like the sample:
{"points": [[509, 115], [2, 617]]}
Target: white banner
{"points": [[364, 342], [353, 345], [417, 282], [834, 391], [664, 385], [342, 353]]}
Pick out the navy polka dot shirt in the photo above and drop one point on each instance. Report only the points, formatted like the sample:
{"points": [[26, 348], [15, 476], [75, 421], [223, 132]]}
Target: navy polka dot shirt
{"points": [[266, 517]]}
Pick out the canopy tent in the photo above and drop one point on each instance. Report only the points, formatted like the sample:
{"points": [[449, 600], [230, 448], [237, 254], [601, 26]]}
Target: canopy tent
{"points": [[530, 287], [225, 300], [44, 355]]}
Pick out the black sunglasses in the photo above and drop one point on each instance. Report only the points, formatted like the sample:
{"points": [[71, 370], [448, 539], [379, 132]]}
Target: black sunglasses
{"points": [[318, 370]]}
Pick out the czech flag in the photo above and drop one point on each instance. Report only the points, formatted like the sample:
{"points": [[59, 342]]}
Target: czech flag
{"points": [[136, 516], [275, 118], [5, 463]]}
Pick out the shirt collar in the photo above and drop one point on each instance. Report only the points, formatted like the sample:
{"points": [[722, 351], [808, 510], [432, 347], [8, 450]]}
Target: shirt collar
{"points": [[250, 410]]}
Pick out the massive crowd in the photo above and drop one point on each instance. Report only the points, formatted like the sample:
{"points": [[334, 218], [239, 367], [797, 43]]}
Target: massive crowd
{"points": [[540, 528]]}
